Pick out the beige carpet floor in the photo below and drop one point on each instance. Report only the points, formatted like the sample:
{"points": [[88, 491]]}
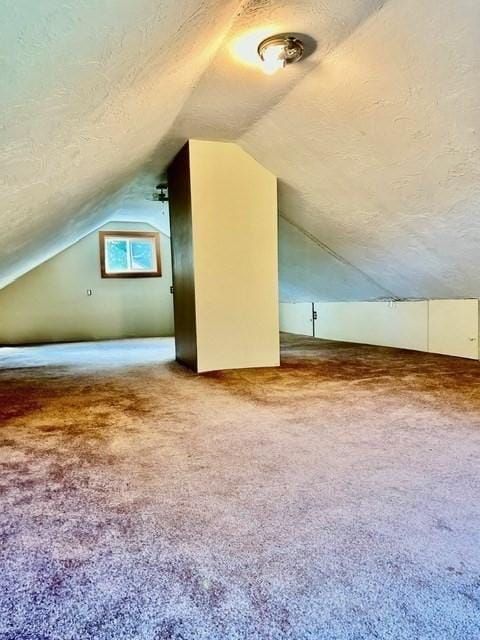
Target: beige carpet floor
{"points": [[337, 497]]}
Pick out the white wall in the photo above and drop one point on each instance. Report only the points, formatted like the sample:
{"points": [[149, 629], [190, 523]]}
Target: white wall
{"points": [[389, 324], [296, 318], [50, 303], [449, 327]]}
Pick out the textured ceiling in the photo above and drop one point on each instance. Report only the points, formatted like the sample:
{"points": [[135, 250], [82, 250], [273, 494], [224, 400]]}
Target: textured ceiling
{"points": [[375, 136], [379, 148], [89, 89]]}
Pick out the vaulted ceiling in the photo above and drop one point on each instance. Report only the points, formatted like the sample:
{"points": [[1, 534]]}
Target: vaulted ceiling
{"points": [[374, 137]]}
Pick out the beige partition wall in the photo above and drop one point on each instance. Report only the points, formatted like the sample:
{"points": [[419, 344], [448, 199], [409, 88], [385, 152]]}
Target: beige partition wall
{"points": [[389, 324], [223, 207]]}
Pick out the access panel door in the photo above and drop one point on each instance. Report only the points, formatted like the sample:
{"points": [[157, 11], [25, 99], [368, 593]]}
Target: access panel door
{"points": [[297, 317]]}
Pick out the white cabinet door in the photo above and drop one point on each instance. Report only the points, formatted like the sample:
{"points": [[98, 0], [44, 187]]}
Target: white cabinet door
{"points": [[453, 327], [296, 317]]}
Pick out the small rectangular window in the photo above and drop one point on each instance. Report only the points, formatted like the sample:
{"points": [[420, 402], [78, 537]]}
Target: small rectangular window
{"points": [[130, 254]]}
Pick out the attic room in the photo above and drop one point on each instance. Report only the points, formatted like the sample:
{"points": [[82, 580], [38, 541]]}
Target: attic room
{"points": [[239, 320]]}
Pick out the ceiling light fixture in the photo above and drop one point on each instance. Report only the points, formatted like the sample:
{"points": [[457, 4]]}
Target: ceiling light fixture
{"points": [[160, 194], [278, 51]]}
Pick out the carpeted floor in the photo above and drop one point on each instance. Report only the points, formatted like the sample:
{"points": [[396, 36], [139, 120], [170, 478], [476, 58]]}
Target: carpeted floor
{"points": [[335, 498]]}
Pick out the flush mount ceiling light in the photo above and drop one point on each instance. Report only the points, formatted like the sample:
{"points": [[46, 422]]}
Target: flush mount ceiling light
{"points": [[278, 51]]}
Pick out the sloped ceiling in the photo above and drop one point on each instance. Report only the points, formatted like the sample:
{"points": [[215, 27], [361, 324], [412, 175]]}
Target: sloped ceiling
{"points": [[375, 137], [310, 271], [386, 133], [89, 89]]}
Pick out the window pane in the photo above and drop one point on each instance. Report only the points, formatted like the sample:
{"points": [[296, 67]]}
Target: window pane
{"points": [[117, 257], [142, 255]]}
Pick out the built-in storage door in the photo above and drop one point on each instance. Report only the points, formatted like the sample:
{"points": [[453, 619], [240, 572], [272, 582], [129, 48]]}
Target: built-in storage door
{"points": [[297, 318]]}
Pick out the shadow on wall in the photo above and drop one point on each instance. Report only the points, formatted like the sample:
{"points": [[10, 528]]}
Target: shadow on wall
{"points": [[309, 270]]}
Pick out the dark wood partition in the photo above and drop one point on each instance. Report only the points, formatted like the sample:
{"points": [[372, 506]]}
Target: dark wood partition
{"points": [[180, 202]]}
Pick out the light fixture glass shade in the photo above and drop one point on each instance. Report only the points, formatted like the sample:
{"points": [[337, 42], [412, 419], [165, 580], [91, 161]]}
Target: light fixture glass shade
{"points": [[274, 59], [278, 51]]}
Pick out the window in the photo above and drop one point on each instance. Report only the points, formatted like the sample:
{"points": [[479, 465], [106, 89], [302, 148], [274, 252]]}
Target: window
{"points": [[130, 254]]}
